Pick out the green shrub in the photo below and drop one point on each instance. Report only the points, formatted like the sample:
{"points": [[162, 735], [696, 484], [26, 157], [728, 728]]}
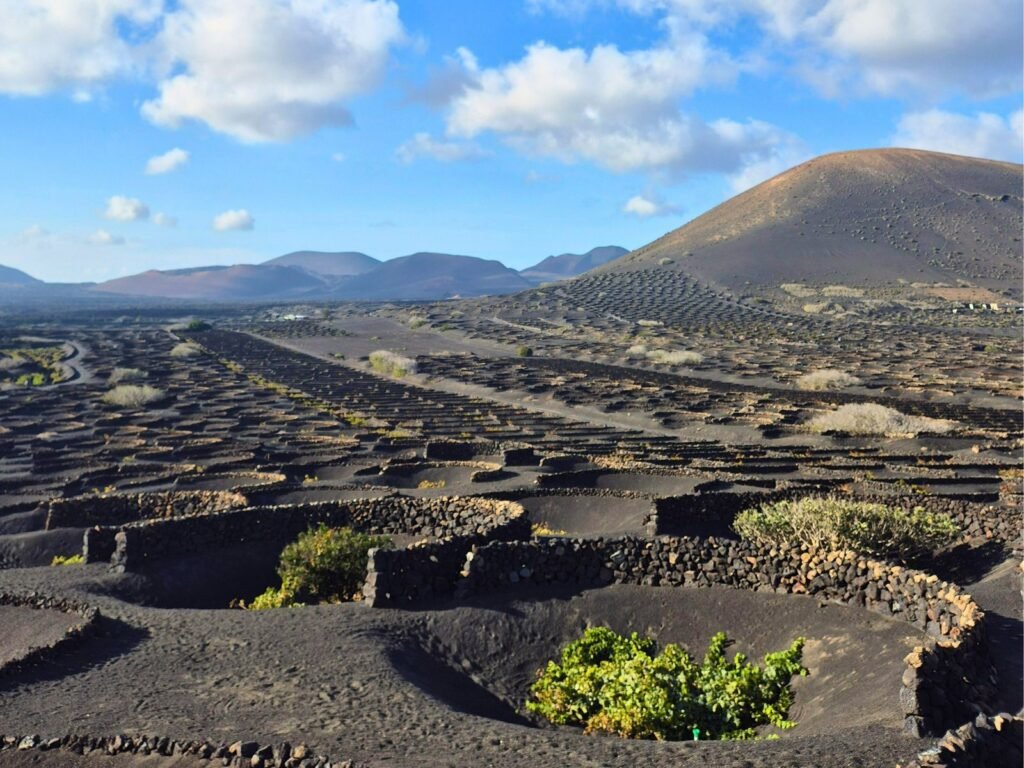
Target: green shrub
{"points": [[609, 683], [198, 325], [391, 364], [835, 523], [67, 560], [324, 565], [524, 351]]}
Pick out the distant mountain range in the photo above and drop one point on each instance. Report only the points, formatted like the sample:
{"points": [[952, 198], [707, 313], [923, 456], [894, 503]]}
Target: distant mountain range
{"points": [[571, 264], [12, 276], [345, 275], [849, 222]]}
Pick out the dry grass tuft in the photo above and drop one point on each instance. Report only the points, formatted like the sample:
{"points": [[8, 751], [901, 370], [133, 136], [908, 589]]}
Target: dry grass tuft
{"points": [[124, 375], [132, 395], [185, 350], [826, 378], [874, 419], [677, 357]]}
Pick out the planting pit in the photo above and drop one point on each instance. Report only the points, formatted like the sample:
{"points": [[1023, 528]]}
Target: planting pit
{"points": [[588, 515], [855, 657]]}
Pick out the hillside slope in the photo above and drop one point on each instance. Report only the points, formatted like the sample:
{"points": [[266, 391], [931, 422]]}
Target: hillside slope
{"points": [[863, 218], [12, 276]]}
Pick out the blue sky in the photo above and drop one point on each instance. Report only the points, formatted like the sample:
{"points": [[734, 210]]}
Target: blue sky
{"points": [[169, 133]]}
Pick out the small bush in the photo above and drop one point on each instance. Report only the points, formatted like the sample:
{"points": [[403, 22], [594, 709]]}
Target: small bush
{"points": [[185, 349], [427, 484], [198, 325], [609, 683], [391, 364], [67, 560], [678, 357], [524, 351], [324, 565], [874, 419], [826, 378], [543, 529], [132, 395], [637, 350], [833, 523], [122, 375]]}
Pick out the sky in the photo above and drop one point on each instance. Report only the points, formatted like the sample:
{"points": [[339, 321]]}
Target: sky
{"points": [[142, 134]]}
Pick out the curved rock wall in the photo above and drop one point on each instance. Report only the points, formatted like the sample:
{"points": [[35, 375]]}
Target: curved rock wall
{"points": [[944, 678], [439, 518], [81, 629], [84, 511]]}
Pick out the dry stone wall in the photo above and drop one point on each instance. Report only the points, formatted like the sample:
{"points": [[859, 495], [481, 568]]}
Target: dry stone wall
{"points": [[82, 628], [438, 518], [994, 521], [84, 511], [239, 754]]}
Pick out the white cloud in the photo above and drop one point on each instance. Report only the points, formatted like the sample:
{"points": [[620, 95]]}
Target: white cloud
{"points": [[163, 220], [981, 135], [102, 237], [49, 45], [644, 207], [239, 219], [424, 145], [338, 157], [887, 47], [271, 70], [619, 110], [167, 162], [933, 47], [120, 208]]}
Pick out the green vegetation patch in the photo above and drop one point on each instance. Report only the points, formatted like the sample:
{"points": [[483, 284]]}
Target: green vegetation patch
{"points": [[831, 523], [610, 683], [390, 364], [31, 366], [67, 560], [324, 565]]}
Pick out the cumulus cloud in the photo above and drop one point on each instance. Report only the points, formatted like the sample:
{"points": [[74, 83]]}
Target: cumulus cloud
{"points": [[49, 45], [163, 220], [271, 70], [981, 135], [645, 207], [239, 219], [875, 46], [425, 145], [169, 161], [935, 47], [120, 208], [102, 237], [617, 109]]}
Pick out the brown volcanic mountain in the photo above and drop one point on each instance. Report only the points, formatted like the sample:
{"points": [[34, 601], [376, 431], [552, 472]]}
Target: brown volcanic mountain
{"points": [[863, 218], [240, 282]]}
